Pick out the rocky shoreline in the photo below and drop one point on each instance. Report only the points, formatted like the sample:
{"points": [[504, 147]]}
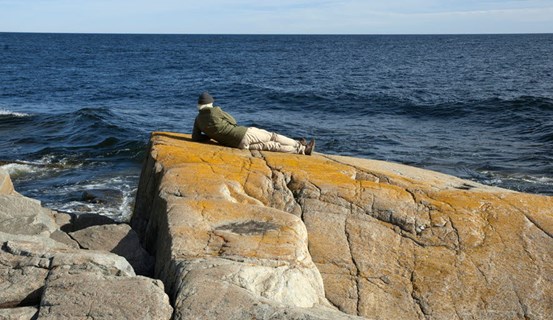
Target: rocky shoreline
{"points": [[57, 266], [248, 235]]}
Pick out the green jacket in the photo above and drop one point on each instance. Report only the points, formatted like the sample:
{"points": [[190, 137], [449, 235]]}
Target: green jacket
{"points": [[217, 125]]}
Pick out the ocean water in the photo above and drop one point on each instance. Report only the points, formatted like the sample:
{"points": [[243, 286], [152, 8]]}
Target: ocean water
{"points": [[76, 110]]}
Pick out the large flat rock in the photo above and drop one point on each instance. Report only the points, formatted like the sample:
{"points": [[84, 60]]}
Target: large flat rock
{"points": [[97, 296], [214, 242], [388, 241]]}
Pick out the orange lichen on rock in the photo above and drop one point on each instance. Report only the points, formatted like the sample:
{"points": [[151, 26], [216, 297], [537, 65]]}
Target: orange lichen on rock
{"points": [[389, 241]]}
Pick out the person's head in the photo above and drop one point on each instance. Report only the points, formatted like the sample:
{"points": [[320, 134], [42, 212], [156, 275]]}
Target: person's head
{"points": [[205, 100]]}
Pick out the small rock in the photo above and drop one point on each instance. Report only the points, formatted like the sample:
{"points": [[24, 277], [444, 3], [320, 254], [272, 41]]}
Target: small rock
{"points": [[119, 239], [64, 238]]}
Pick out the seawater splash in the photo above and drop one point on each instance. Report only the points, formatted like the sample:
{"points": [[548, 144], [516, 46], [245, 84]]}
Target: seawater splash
{"points": [[53, 184], [34, 169], [15, 170], [113, 197]]}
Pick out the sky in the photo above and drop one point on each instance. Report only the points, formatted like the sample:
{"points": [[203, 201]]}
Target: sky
{"points": [[278, 16]]}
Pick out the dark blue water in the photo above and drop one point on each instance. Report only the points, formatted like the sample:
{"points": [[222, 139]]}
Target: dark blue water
{"points": [[76, 110]]}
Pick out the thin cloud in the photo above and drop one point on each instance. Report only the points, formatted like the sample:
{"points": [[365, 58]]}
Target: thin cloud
{"points": [[284, 16]]}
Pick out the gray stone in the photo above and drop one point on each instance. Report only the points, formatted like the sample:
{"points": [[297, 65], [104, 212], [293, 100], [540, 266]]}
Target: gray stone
{"points": [[97, 296], [21, 279], [71, 222], [64, 238], [119, 239], [26, 261], [63, 220], [22, 313], [24, 266], [42, 265], [88, 261], [22, 215]]}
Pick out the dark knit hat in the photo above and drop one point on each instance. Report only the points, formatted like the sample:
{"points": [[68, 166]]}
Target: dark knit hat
{"points": [[205, 98]]}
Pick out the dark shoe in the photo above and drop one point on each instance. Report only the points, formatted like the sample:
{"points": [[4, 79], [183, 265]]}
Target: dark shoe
{"points": [[302, 141], [310, 147]]}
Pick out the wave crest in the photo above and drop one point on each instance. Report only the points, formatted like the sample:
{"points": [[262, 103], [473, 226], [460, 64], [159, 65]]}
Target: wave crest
{"points": [[7, 113]]}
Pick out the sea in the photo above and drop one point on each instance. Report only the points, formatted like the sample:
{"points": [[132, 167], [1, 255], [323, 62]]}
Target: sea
{"points": [[77, 110]]}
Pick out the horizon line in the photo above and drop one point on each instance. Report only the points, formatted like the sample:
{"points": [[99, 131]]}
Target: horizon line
{"points": [[279, 34]]}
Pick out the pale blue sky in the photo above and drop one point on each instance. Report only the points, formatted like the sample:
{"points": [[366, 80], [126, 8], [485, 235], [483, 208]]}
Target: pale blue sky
{"points": [[278, 16]]}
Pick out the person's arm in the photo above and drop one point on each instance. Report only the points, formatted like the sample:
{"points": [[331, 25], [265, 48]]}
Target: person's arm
{"points": [[228, 117], [197, 134]]}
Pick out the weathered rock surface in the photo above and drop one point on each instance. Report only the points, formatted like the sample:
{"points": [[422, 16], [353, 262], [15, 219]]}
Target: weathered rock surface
{"points": [[6, 186], [27, 262], [23, 313], [71, 222], [119, 239], [97, 296], [21, 215], [24, 266], [217, 256], [64, 281], [389, 241]]}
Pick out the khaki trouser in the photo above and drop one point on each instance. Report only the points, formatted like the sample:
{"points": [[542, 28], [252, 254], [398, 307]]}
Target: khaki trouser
{"points": [[259, 139]]}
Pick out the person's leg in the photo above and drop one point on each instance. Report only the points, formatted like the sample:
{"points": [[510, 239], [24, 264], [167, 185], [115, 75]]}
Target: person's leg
{"points": [[273, 146], [283, 140], [259, 139]]}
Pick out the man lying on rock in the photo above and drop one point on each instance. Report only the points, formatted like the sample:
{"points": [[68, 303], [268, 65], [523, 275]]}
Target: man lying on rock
{"points": [[213, 123]]}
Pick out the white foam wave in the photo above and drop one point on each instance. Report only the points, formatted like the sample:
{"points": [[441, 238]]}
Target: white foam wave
{"points": [[540, 180], [16, 169], [520, 177], [4, 112], [119, 210]]}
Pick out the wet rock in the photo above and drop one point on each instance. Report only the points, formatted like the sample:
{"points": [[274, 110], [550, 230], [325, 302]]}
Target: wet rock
{"points": [[119, 239], [104, 196]]}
